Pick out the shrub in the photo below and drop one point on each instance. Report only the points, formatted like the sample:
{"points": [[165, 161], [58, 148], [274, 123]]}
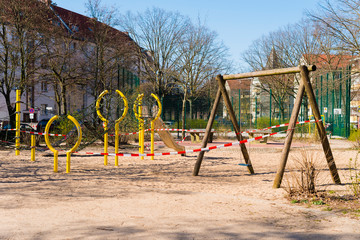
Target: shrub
{"points": [[304, 181], [355, 137], [196, 123]]}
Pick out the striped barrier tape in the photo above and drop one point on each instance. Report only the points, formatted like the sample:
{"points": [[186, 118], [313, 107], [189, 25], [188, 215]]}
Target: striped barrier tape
{"points": [[279, 125], [167, 129], [193, 150], [37, 133]]}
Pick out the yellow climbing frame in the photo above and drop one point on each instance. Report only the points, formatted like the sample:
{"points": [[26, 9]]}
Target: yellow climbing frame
{"points": [[105, 124], [56, 152]]}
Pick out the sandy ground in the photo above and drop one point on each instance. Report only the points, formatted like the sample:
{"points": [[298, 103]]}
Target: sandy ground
{"points": [[160, 199]]}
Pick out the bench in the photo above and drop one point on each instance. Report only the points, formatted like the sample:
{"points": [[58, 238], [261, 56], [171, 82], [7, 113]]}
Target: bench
{"points": [[260, 133], [195, 135]]}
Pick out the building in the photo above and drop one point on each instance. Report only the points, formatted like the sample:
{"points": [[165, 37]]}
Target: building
{"points": [[75, 33]]}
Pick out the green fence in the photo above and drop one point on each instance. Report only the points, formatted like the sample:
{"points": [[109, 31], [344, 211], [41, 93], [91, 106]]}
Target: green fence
{"points": [[332, 91], [333, 94]]}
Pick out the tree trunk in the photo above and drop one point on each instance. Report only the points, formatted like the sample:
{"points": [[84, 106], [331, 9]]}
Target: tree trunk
{"points": [[57, 99], [190, 108], [183, 115], [63, 99]]}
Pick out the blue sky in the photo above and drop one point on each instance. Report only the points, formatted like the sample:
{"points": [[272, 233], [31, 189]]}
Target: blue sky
{"points": [[238, 22]]}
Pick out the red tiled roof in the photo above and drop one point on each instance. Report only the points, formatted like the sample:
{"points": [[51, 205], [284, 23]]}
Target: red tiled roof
{"points": [[243, 84], [82, 26], [328, 61]]}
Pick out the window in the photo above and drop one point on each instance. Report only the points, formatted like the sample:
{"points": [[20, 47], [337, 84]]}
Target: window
{"points": [[44, 109], [44, 86]]}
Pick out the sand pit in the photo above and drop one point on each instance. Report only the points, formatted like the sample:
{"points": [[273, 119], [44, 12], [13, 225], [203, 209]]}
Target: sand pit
{"points": [[160, 199]]}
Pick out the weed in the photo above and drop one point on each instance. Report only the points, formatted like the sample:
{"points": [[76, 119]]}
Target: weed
{"points": [[318, 202], [303, 179], [355, 137], [327, 209], [354, 176]]}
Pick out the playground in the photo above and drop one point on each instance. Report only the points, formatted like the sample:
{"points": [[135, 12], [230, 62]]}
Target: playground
{"points": [[75, 186], [160, 199]]}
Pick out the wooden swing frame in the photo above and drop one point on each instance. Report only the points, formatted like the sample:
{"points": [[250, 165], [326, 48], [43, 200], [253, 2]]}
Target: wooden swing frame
{"points": [[305, 85]]}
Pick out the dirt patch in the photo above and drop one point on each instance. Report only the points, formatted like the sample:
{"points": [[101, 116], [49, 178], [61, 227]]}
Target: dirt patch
{"points": [[160, 199]]}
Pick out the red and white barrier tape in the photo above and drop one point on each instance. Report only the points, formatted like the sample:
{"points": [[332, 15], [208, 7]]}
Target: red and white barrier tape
{"points": [[167, 129], [38, 133], [193, 150], [277, 126]]}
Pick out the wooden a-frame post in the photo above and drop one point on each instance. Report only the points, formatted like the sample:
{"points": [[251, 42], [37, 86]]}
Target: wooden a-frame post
{"points": [[305, 85], [222, 91]]}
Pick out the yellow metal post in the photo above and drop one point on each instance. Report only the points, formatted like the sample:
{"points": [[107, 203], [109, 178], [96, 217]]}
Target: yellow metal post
{"points": [[117, 122], [105, 143], [33, 143], [138, 115], [152, 139], [153, 123], [17, 134], [68, 153], [323, 119], [47, 141], [116, 144], [104, 124], [56, 153], [142, 132]]}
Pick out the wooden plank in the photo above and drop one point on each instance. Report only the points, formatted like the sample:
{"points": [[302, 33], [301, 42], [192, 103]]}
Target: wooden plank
{"points": [[290, 133], [321, 129], [207, 133], [221, 83], [268, 72]]}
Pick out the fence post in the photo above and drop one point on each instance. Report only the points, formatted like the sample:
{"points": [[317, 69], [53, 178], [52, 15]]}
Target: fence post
{"points": [[270, 105], [348, 92], [327, 96], [333, 104], [256, 112], [321, 96], [17, 134], [279, 113], [239, 108]]}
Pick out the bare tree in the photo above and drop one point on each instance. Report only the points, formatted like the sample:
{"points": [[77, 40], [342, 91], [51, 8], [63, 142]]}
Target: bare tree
{"points": [[340, 19], [202, 57], [61, 66], [21, 22], [160, 34], [108, 49], [288, 47]]}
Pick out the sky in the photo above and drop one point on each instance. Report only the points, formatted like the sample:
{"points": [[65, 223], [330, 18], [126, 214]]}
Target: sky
{"points": [[237, 22]]}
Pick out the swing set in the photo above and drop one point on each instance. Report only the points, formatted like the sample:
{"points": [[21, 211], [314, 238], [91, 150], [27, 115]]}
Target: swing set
{"points": [[305, 86]]}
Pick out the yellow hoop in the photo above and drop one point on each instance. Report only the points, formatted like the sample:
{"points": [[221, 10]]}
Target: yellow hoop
{"points": [[56, 152]]}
